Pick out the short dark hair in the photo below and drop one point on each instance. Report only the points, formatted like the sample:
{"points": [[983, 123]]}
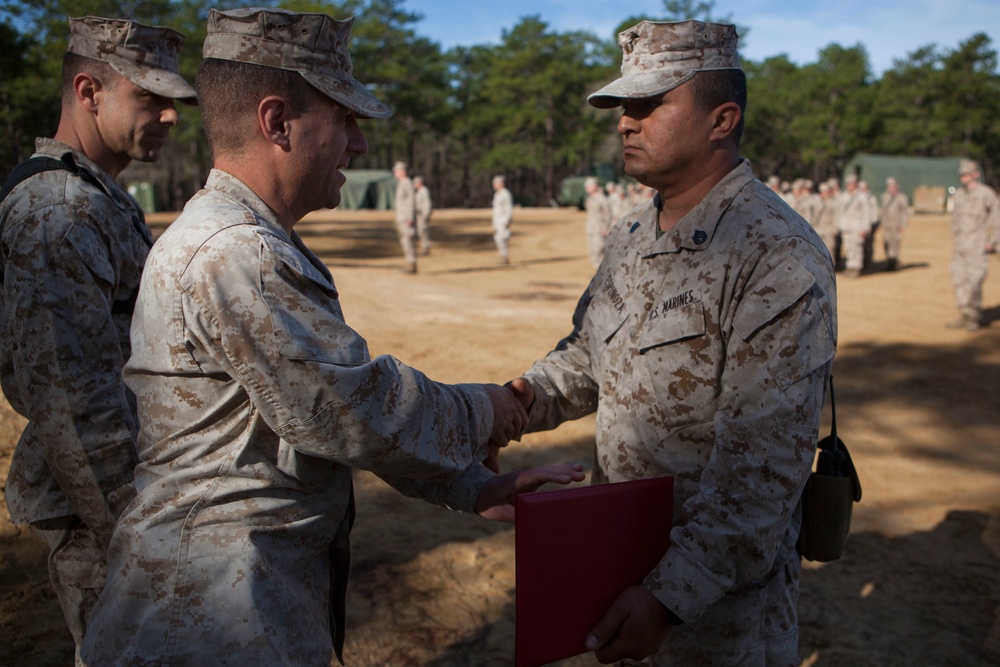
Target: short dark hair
{"points": [[74, 63], [228, 94], [714, 87]]}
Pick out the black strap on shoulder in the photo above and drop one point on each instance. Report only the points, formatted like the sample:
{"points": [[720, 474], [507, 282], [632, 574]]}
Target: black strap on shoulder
{"points": [[37, 165]]}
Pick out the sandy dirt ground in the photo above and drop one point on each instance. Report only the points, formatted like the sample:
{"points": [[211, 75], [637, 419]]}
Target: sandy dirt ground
{"points": [[919, 406]]}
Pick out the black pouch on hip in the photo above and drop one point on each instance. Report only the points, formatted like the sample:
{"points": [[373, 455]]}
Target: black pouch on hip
{"points": [[828, 498]]}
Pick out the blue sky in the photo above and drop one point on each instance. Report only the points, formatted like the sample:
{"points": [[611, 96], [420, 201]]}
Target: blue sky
{"points": [[888, 29]]}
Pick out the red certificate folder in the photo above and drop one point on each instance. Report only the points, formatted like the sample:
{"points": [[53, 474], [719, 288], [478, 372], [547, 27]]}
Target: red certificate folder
{"points": [[575, 550]]}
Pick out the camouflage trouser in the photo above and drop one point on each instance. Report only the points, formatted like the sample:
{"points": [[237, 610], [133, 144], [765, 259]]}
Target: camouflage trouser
{"points": [[424, 233], [595, 247], [854, 250], [407, 237], [77, 569], [968, 273], [754, 629], [892, 236], [501, 237]]}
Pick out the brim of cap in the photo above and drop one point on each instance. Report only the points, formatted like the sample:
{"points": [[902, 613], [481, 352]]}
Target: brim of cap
{"points": [[349, 92], [639, 86], [159, 82]]}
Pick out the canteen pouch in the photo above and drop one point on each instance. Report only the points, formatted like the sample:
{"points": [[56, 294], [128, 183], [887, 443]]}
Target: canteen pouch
{"points": [[828, 499]]}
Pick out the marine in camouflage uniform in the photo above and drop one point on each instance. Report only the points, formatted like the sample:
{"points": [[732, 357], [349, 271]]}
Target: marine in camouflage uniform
{"points": [[422, 208], [704, 343], [598, 221], [895, 216], [825, 224], [503, 213], [855, 225], [406, 216], [255, 397], [975, 228], [72, 248]]}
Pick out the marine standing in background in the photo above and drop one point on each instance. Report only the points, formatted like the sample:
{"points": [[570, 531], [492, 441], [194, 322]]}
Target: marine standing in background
{"points": [[895, 216], [598, 220], [704, 343], [503, 213], [422, 209], [72, 250], [854, 224], [825, 224], [874, 221], [406, 216], [975, 229]]}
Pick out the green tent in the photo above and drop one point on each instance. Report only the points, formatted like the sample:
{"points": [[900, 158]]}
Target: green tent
{"points": [[368, 188], [939, 173]]}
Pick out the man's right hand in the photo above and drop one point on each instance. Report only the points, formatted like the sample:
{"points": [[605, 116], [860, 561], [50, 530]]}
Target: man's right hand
{"points": [[523, 391], [509, 416]]}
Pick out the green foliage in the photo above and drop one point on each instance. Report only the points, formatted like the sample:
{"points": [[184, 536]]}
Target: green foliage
{"points": [[519, 107]]}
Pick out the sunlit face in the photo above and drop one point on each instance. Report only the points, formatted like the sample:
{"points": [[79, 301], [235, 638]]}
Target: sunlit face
{"points": [[134, 123], [663, 137], [968, 179], [329, 137]]}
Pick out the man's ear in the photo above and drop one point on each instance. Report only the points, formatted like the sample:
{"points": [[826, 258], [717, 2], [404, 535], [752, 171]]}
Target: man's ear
{"points": [[87, 89], [273, 114], [726, 117]]}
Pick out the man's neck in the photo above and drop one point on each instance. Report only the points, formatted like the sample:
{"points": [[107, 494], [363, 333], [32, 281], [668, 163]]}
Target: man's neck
{"points": [[675, 203], [86, 140]]}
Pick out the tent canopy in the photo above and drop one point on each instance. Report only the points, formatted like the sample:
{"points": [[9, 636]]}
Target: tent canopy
{"points": [[911, 172], [368, 188]]}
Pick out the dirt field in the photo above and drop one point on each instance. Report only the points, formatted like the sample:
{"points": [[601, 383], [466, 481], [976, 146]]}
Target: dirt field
{"points": [[919, 406]]}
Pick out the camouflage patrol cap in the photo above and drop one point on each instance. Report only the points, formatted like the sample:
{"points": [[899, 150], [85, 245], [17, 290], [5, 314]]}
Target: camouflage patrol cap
{"points": [[145, 55], [659, 56], [314, 45], [968, 167]]}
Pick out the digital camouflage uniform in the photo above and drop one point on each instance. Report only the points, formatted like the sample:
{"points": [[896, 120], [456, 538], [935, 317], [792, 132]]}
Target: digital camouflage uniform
{"points": [[71, 253], [855, 226], [255, 401], [405, 216], [422, 209], [895, 216], [597, 225], [503, 213], [825, 224], [705, 353], [974, 224]]}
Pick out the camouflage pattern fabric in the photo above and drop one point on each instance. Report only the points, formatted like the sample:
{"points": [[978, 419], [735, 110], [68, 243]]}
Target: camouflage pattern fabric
{"points": [[895, 216], [503, 213], [705, 353], [256, 400], [597, 225], [72, 253], [422, 209], [405, 212], [974, 223], [855, 224]]}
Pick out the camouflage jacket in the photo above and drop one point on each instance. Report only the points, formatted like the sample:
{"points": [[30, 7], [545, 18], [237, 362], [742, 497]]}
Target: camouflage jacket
{"points": [[71, 253], [975, 220], [895, 210], [255, 401], [705, 353], [405, 204], [599, 219]]}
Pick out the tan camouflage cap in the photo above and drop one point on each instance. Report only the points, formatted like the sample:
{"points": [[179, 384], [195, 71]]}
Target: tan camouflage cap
{"points": [[968, 167], [145, 55], [659, 56], [314, 45]]}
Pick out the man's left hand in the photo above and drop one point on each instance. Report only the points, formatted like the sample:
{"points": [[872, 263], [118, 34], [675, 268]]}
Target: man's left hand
{"points": [[496, 499], [634, 627]]}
